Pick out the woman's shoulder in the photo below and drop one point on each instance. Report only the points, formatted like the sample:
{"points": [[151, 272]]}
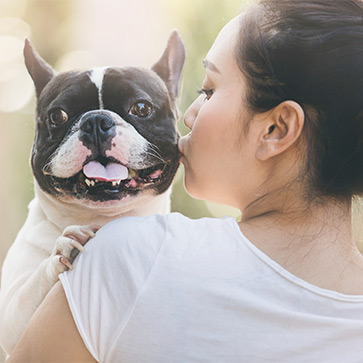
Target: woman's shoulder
{"points": [[125, 236], [159, 223], [179, 225], [145, 232]]}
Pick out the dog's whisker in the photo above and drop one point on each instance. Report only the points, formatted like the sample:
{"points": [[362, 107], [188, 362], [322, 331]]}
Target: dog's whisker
{"points": [[156, 156], [46, 168], [155, 153]]}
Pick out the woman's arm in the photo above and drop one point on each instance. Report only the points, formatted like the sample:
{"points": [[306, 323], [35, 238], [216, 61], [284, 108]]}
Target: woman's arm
{"points": [[51, 335]]}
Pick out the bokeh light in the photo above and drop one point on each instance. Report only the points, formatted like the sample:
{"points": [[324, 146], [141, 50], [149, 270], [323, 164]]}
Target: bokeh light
{"points": [[15, 87]]}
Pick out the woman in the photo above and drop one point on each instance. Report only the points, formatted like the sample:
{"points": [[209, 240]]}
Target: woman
{"points": [[278, 133]]}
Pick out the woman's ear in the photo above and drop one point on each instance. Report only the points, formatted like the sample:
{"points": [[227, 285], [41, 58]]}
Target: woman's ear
{"points": [[280, 130]]}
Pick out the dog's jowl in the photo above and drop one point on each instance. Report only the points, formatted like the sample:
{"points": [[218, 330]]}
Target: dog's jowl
{"points": [[105, 147]]}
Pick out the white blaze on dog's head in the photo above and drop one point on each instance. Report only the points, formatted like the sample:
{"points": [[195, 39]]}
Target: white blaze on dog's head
{"points": [[96, 76]]}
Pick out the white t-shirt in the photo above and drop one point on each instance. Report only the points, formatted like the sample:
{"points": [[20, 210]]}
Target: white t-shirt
{"points": [[171, 289]]}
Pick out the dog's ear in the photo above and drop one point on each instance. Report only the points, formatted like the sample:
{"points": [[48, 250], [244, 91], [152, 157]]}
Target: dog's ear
{"points": [[40, 71], [170, 65]]}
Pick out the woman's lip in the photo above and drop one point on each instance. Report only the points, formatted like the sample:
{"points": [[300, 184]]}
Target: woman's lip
{"points": [[179, 148], [180, 157], [181, 144]]}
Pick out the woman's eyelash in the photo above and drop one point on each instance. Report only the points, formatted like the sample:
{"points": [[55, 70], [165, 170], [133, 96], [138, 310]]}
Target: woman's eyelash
{"points": [[208, 92]]}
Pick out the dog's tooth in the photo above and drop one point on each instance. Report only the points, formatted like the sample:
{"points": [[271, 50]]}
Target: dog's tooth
{"points": [[132, 173], [88, 182]]}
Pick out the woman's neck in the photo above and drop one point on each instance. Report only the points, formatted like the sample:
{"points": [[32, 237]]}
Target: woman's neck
{"points": [[311, 240]]}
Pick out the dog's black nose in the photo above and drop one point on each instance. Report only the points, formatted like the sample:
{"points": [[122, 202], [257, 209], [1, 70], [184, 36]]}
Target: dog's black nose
{"points": [[97, 129]]}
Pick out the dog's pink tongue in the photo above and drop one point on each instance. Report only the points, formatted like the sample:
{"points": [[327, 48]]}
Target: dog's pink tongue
{"points": [[108, 173]]}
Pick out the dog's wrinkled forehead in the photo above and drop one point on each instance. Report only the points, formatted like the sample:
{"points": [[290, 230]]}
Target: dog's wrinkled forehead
{"points": [[103, 88], [113, 89]]}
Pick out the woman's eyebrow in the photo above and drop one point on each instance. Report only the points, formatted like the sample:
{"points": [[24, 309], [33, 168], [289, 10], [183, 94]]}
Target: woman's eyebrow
{"points": [[209, 65]]}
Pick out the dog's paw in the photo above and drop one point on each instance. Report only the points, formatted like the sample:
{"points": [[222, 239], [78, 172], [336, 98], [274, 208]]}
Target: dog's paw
{"points": [[67, 247]]}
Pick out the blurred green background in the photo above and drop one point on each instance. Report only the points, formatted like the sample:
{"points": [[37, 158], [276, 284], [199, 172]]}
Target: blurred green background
{"points": [[89, 33]]}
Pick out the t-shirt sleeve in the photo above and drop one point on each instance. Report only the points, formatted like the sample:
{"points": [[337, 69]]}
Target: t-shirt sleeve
{"points": [[108, 275]]}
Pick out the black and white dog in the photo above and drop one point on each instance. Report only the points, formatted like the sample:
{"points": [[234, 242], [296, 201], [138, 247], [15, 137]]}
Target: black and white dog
{"points": [[105, 147]]}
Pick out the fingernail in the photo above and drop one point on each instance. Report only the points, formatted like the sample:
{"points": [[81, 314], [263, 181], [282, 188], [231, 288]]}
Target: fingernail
{"points": [[66, 262], [76, 245], [89, 232]]}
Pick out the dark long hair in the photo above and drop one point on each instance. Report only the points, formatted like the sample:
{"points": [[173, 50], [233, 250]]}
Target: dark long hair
{"points": [[311, 52]]}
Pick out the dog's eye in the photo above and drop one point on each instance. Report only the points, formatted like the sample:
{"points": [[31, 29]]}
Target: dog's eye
{"points": [[58, 116], [141, 109]]}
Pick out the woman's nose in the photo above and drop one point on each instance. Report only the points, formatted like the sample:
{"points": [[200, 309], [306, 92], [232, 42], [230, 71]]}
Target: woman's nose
{"points": [[192, 113]]}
